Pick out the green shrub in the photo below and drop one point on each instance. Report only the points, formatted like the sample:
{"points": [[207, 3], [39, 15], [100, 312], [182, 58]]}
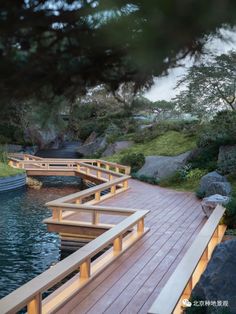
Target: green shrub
{"points": [[173, 180], [4, 139], [11, 134], [135, 161], [189, 128], [113, 132], [220, 131], [185, 179], [205, 158], [196, 174], [3, 155], [143, 136], [230, 213]]}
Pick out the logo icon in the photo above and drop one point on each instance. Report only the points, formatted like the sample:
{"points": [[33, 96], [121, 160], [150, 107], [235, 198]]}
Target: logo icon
{"points": [[187, 303]]}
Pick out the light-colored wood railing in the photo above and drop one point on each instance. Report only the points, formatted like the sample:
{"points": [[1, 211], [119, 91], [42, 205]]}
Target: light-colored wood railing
{"points": [[189, 270], [112, 165], [76, 202], [22, 156], [25, 161], [47, 164], [120, 236], [30, 294], [95, 191]]}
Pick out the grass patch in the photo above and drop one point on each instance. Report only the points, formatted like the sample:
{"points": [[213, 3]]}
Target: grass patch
{"points": [[6, 171], [172, 143], [185, 179], [189, 185]]}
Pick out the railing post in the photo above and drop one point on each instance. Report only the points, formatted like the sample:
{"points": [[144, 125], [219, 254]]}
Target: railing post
{"points": [[140, 225], [99, 164], [117, 169], [98, 174], [125, 184], [95, 217], [78, 201], [57, 214], [78, 167], [107, 167], [34, 306], [117, 244], [85, 269], [110, 177], [98, 196], [113, 189], [127, 170]]}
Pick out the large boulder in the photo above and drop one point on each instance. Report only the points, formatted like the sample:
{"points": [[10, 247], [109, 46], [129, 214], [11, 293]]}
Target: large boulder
{"points": [[227, 159], [210, 178], [91, 138], [218, 282], [93, 148], [160, 167], [214, 183], [222, 188], [44, 138], [116, 147]]}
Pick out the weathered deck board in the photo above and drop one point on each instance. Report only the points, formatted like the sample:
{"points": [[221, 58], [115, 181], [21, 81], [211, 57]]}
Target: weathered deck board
{"points": [[134, 280]]}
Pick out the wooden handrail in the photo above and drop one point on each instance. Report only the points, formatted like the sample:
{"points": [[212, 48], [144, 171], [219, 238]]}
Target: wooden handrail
{"points": [[27, 159], [114, 173], [90, 208], [30, 294], [88, 192], [191, 266], [115, 165]]}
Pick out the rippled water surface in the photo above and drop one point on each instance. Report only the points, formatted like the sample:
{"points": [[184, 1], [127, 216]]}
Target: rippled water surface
{"points": [[26, 248]]}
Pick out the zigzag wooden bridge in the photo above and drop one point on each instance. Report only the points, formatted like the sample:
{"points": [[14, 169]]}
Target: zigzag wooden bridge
{"points": [[138, 269]]}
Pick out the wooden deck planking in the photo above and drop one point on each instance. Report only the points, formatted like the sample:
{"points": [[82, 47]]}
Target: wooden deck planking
{"points": [[140, 295], [146, 306], [121, 293], [133, 280]]}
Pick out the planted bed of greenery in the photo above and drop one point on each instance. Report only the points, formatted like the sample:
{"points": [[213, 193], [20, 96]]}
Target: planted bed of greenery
{"points": [[172, 143], [6, 171]]}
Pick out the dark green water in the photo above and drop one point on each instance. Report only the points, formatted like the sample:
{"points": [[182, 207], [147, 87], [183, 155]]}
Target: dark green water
{"points": [[26, 248]]}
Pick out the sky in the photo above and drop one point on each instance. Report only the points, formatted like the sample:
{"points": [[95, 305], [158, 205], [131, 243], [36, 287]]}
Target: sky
{"points": [[164, 87]]}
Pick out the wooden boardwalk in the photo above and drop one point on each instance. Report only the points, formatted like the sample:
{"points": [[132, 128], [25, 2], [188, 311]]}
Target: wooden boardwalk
{"points": [[141, 257], [132, 282]]}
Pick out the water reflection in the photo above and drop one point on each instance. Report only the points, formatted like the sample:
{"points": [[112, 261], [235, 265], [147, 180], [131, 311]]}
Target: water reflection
{"points": [[26, 248]]}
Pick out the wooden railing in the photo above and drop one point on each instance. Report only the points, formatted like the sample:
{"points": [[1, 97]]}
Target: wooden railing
{"points": [[64, 206], [30, 294], [25, 161], [120, 236], [189, 270]]}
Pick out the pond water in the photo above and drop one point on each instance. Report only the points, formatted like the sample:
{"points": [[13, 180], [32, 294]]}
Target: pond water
{"points": [[26, 248]]}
